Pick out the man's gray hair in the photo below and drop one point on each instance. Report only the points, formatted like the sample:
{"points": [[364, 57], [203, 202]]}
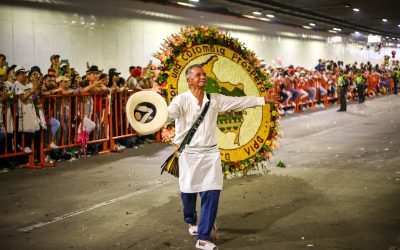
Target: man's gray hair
{"points": [[188, 71]]}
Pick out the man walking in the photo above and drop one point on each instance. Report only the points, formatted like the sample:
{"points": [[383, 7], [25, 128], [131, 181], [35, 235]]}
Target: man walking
{"points": [[200, 168]]}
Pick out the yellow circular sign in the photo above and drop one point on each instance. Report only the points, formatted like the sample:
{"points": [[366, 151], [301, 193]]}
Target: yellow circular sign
{"points": [[241, 134]]}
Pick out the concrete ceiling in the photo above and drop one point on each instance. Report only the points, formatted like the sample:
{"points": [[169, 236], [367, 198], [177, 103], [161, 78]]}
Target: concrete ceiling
{"points": [[325, 14]]}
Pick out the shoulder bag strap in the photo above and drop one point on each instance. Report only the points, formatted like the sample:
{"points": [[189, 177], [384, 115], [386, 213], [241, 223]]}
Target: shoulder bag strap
{"points": [[195, 126]]}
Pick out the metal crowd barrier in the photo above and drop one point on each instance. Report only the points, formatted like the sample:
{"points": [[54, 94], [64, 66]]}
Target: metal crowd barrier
{"points": [[104, 114]]}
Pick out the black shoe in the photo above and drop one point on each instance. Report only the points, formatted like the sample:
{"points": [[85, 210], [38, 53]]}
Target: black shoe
{"points": [[340, 110]]}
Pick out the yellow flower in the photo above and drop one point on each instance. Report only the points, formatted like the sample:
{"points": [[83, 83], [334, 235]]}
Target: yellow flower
{"points": [[268, 142], [274, 113]]}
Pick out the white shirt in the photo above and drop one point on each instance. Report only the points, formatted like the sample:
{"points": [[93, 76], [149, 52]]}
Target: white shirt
{"points": [[9, 86], [21, 89], [200, 163], [28, 120], [184, 109], [132, 82]]}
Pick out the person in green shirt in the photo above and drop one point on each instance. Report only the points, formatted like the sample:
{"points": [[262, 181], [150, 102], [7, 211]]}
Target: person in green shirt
{"points": [[396, 78], [342, 85], [360, 85], [3, 68]]}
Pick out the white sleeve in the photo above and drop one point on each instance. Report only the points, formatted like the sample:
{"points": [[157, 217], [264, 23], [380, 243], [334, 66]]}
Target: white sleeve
{"points": [[19, 90], [226, 103], [174, 110]]}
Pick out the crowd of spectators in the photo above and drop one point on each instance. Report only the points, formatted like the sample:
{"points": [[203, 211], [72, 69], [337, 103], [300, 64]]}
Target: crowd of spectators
{"points": [[26, 98], [300, 88]]}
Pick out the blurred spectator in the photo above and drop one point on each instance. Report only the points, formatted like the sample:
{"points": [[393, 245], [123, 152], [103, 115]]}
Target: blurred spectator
{"points": [[28, 122], [63, 107], [3, 99], [3, 67], [49, 88], [320, 66], [113, 75], [131, 80], [55, 64]]}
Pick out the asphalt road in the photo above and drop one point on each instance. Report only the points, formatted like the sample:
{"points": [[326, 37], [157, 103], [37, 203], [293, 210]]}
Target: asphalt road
{"points": [[340, 190]]}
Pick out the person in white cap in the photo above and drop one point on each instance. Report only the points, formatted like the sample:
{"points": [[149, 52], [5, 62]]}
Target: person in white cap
{"points": [[28, 122], [200, 168]]}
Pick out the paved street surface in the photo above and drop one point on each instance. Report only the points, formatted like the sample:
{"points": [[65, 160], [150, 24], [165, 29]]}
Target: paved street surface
{"points": [[340, 190]]}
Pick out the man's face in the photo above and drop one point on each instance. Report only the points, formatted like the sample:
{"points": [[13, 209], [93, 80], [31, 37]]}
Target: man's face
{"points": [[50, 82], [34, 76], [198, 78], [12, 75], [105, 81], [92, 76], [21, 77], [78, 78], [64, 84], [55, 60], [115, 78]]}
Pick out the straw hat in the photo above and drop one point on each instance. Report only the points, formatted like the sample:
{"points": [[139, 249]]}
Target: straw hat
{"points": [[146, 112]]}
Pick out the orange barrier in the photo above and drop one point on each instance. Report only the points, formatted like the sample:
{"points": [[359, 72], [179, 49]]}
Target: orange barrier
{"points": [[119, 125], [14, 140], [72, 112]]}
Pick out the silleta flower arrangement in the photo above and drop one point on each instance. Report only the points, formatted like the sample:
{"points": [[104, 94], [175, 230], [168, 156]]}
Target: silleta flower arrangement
{"points": [[246, 138]]}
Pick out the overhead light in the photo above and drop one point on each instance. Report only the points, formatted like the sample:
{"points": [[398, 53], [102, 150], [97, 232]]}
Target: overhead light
{"points": [[312, 24], [257, 13], [337, 29], [332, 31], [398, 25], [356, 32], [194, 1], [186, 4], [356, 10], [307, 27], [387, 37], [270, 16], [264, 19], [384, 20]]}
